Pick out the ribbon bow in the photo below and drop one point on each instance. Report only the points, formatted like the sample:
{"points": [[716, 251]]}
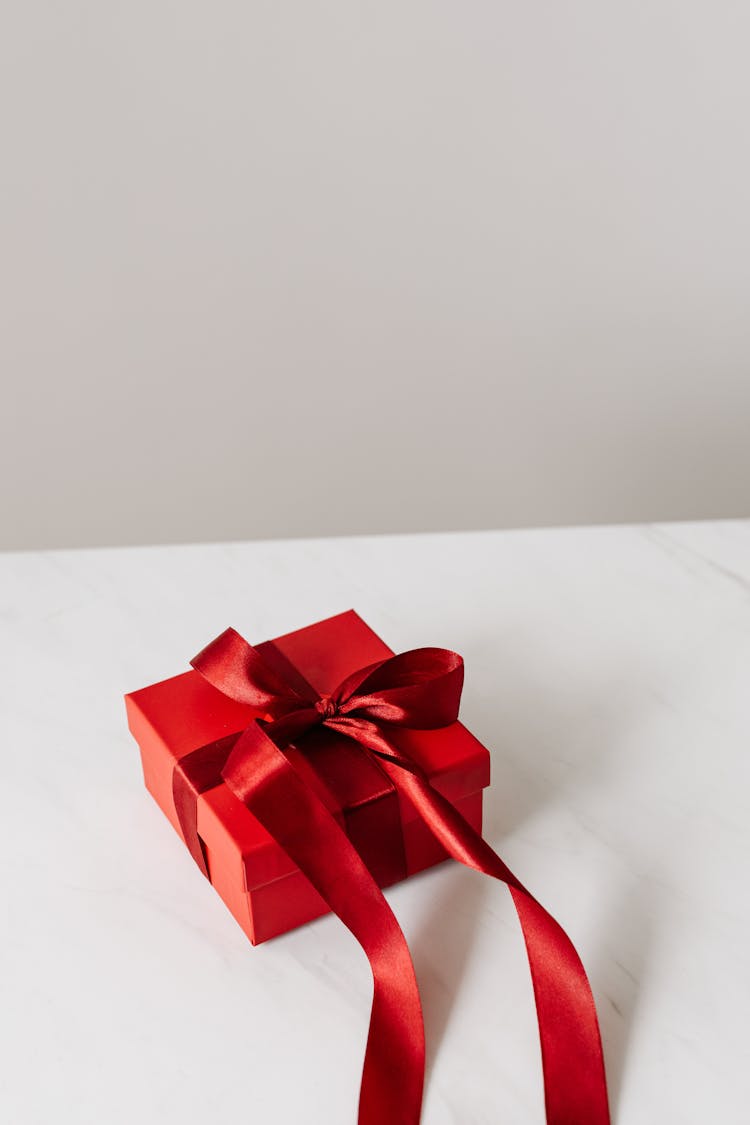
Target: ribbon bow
{"points": [[419, 689]]}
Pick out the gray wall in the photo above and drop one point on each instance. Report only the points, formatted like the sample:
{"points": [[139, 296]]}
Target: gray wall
{"points": [[309, 268]]}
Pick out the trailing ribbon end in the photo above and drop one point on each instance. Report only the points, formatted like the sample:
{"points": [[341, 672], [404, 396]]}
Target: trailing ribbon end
{"points": [[261, 776]]}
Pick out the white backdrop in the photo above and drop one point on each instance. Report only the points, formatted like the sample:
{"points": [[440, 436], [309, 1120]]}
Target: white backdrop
{"points": [[289, 268]]}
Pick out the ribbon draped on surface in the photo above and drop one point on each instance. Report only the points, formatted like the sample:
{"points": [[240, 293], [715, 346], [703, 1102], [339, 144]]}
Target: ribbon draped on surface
{"points": [[419, 689]]}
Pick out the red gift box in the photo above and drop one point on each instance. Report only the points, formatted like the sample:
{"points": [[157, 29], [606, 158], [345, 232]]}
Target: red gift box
{"points": [[260, 884]]}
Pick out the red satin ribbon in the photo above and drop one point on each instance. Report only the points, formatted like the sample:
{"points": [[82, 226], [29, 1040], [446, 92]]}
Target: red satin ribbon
{"points": [[419, 689]]}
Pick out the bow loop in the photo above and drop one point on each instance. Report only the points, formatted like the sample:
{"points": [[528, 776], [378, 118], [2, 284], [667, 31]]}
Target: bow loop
{"points": [[238, 670], [420, 689]]}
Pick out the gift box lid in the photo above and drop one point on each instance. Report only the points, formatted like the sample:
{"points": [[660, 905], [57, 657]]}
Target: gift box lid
{"points": [[185, 712]]}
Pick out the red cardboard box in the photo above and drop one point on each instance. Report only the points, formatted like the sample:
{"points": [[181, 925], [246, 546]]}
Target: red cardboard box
{"points": [[264, 890]]}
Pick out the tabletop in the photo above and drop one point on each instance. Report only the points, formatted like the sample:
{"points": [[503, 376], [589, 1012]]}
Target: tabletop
{"points": [[606, 670]]}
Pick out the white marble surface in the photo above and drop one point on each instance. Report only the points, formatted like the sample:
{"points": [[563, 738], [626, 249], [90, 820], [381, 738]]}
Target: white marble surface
{"points": [[607, 669]]}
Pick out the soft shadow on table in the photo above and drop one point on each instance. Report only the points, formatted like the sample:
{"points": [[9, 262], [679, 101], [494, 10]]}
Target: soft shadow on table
{"points": [[517, 728], [442, 947], [618, 982]]}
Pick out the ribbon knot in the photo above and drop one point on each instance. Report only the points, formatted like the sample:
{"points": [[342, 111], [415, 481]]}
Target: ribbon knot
{"points": [[327, 707]]}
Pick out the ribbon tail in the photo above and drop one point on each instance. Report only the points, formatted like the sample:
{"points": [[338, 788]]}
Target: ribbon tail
{"points": [[572, 1059], [193, 774], [261, 776]]}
